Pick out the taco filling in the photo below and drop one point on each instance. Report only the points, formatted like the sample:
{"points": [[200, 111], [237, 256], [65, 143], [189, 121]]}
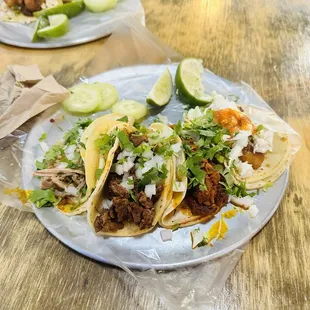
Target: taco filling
{"points": [[136, 188], [61, 172]]}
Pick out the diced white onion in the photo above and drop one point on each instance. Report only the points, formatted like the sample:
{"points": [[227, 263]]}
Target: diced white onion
{"points": [[176, 147], [197, 237], [139, 173], [119, 169], [147, 154], [69, 151], [263, 141], [125, 180], [150, 190], [226, 138], [194, 113], [220, 103], [242, 140], [244, 168], [71, 190], [179, 187], [62, 165], [253, 211], [127, 165], [242, 202], [106, 203], [125, 153], [166, 235], [44, 146]]}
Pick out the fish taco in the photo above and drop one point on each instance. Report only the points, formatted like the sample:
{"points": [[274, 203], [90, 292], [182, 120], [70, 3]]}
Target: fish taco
{"points": [[227, 154]]}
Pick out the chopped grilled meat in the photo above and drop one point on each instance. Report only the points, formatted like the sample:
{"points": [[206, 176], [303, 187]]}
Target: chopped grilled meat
{"points": [[46, 183], [115, 189], [254, 159], [104, 223], [212, 199], [147, 218], [123, 209], [32, 5], [144, 200], [137, 139]]}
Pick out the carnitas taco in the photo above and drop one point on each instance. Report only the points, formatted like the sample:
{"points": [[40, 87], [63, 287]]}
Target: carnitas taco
{"points": [[226, 155], [136, 188], [67, 173]]}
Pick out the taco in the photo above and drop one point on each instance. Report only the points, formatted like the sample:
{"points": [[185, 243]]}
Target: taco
{"points": [[135, 188], [226, 155], [67, 176]]}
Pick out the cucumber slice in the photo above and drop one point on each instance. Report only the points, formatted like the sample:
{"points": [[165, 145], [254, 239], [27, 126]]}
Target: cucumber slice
{"points": [[98, 6], [108, 93], [130, 108], [84, 98]]}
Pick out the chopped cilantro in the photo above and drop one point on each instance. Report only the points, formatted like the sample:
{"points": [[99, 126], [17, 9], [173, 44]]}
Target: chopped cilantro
{"points": [[98, 173], [182, 170], [260, 127], [42, 198], [41, 165], [175, 227], [130, 181], [53, 152], [154, 175], [123, 119], [82, 145], [84, 190], [267, 185], [178, 128], [43, 136], [124, 141], [198, 178], [132, 195], [104, 143]]}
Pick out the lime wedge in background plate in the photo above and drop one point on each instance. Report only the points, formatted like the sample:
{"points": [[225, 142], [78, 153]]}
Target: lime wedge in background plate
{"points": [[162, 91], [42, 22], [59, 26], [188, 82], [98, 6], [70, 9]]}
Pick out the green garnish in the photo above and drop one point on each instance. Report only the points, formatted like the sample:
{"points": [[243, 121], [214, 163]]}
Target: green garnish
{"points": [[260, 127], [43, 136], [175, 227], [267, 185], [42, 198], [98, 173], [154, 175], [41, 165], [123, 119], [125, 143], [104, 143]]}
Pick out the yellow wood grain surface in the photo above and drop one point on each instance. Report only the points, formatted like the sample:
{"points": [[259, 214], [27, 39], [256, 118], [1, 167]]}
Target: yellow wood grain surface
{"points": [[265, 43]]}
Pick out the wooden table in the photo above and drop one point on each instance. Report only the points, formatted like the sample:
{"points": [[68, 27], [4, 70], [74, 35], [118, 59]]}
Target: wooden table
{"points": [[265, 43]]}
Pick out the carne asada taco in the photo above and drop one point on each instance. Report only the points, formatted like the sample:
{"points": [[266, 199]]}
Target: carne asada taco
{"points": [[226, 155], [68, 176], [134, 193]]}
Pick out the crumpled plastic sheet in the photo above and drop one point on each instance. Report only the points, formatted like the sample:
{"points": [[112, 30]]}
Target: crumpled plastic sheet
{"points": [[183, 278], [84, 27]]}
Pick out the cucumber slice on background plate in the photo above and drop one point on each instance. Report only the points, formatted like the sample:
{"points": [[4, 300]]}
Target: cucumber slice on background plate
{"points": [[98, 6], [161, 92], [130, 108], [108, 93], [188, 82], [84, 98]]}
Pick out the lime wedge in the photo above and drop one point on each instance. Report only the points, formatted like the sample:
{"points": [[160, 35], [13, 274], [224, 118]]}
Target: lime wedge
{"points": [[188, 82], [161, 92], [70, 9], [42, 22], [59, 26], [98, 6]]}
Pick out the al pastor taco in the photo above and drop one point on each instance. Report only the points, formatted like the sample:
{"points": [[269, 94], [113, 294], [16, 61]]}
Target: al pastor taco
{"points": [[135, 190]]}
